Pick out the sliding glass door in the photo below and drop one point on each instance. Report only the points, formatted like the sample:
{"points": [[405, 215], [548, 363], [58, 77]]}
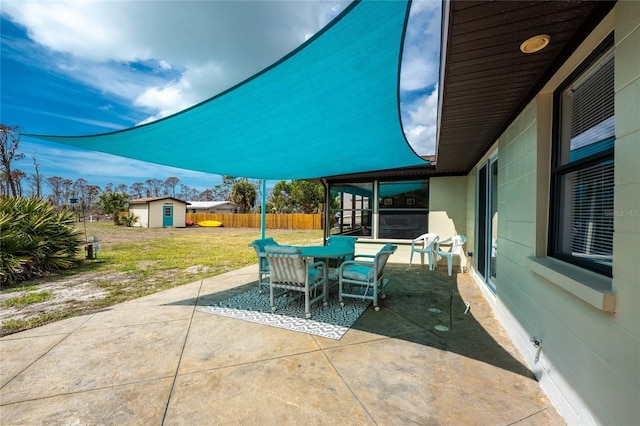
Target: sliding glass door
{"points": [[487, 214]]}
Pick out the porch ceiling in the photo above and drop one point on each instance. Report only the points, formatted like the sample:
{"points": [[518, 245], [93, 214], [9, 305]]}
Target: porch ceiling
{"points": [[486, 81]]}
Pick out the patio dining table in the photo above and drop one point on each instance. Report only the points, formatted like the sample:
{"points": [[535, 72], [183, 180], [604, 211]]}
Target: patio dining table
{"points": [[328, 252]]}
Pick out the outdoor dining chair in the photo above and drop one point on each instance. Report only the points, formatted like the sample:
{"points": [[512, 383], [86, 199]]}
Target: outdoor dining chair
{"points": [[363, 277], [424, 244], [263, 265], [291, 270], [455, 245], [343, 241]]}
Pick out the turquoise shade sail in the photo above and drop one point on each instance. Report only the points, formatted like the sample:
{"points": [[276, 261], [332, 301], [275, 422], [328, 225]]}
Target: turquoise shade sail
{"points": [[330, 107]]}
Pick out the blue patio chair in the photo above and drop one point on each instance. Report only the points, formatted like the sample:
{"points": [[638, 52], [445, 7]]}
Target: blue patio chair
{"points": [[363, 277], [345, 241], [263, 265]]}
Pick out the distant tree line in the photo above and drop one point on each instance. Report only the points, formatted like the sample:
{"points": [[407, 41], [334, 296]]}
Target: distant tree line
{"points": [[286, 197]]}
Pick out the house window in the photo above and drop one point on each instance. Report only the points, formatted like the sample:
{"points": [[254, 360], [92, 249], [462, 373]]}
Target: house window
{"points": [[582, 178], [403, 209], [351, 209]]}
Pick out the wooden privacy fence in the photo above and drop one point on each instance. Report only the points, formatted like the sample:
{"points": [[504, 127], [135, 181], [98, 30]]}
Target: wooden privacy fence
{"points": [[252, 220]]}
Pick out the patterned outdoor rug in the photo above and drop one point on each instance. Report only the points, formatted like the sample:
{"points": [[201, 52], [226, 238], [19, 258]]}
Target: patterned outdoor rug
{"points": [[330, 321]]}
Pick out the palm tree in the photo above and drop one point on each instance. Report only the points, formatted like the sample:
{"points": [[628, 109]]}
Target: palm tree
{"points": [[112, 203], [243, 194]]}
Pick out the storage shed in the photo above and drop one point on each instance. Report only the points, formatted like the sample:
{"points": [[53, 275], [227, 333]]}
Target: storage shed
{"points": [[159, 212]]}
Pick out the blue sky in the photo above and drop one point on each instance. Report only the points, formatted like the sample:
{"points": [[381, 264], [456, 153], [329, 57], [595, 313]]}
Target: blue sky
{"points": [[78, 68]]}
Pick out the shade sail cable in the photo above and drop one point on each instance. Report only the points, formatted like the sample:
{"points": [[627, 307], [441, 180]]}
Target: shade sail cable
{"points": [[328, 108]]}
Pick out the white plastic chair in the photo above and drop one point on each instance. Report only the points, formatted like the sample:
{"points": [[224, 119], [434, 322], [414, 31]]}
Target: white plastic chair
{"points": [[424, 244], [456, 243]]}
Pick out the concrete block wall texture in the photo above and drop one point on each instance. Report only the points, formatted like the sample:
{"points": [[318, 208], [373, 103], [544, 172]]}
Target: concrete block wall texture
{"points": [[589, 362], [626, 268]]}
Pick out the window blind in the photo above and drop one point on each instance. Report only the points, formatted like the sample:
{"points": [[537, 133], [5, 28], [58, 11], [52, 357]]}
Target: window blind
{"points": [[583, 209], [589, 201], [590, 103]]}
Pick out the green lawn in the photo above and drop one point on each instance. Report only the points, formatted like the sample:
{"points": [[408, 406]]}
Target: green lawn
{"points": [[134, 262]]}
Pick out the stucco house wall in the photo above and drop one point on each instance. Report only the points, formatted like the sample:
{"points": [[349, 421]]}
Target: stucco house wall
{"points": [[155, 214], [589, 359], [141, 211]]}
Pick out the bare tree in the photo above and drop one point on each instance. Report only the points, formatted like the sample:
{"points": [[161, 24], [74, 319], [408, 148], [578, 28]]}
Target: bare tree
{"points": [[67, 190], [153, 187], [223, 191], [122, 188], [170, 186], [55, 184], [9, 141], [16, 177], [206, 195], [137, 189], [35, 179], [92, 193], [80, 189], [184, 192], [193, 194]]}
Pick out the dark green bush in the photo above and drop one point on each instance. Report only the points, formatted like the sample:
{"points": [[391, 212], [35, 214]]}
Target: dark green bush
{"points": [[35, 238]]}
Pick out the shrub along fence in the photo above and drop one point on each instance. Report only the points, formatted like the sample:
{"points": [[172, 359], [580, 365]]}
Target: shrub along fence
{"points": [[252, 220]]}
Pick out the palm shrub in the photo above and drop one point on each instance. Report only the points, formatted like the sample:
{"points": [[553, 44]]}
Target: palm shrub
{"points": [[35, 238], [129, 219]]}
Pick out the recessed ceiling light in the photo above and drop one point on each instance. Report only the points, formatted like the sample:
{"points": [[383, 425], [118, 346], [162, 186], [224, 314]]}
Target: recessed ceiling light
{"points": [[535, 43]]}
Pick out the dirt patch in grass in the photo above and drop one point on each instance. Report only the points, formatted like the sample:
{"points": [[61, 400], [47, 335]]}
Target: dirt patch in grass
{"points": [[80, 289], [133, 262]]}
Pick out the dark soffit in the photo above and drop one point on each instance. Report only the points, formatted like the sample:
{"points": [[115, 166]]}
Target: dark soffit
{"points": [[485, 81]]}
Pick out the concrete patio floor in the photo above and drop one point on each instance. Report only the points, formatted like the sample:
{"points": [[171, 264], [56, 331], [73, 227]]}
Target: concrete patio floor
{"points": [[158, 360]]}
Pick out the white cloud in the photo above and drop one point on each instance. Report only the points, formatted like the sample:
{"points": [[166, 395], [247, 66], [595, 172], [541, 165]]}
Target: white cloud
{"points": [[420, 122], [421, 54], [213, 44], [181, 94], [166, 100], [419, 76]]}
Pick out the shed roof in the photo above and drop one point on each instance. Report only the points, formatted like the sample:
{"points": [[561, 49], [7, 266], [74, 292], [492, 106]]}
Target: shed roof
{"points": [[147, 200]]}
